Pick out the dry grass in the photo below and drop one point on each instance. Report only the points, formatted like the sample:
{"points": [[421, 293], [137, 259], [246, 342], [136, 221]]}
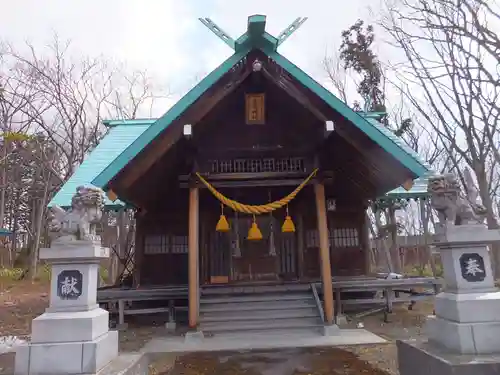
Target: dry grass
{"points": [[20, 303], [404, 325]]}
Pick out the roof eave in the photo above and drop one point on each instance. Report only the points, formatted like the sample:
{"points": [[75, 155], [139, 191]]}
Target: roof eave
{"points": [[257, 37], [413, 165], [103, 179]]}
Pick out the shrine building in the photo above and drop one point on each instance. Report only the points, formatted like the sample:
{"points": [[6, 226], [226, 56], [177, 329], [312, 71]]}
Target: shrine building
{"points": [[257, 176]]}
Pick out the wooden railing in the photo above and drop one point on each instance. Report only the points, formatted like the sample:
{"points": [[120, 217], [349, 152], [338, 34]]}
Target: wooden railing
{"points": [[257, 165], [392, 291]]}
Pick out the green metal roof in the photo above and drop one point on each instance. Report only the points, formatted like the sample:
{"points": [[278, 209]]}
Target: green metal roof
{"points": [[121, 134], [389, 134], [371, 127], [102, 179], [419, 189], [257, 38], [5, 232]]}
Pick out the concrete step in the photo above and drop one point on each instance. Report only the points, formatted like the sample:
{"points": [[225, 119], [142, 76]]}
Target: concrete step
{"points": [[268, 324], [231, 315], [292, 333], [257, 305], [255, 298]]}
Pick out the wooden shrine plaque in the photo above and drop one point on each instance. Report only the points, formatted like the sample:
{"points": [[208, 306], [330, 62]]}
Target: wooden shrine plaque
{"points": [[255, 109]]}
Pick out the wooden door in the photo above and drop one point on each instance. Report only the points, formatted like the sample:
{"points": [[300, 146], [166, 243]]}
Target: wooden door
{"points": [[287, 254], [255, 260], [217, 261]]}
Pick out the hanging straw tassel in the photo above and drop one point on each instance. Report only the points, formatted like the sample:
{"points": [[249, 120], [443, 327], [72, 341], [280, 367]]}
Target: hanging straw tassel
{"points": [[222, 224], [254, 233], [288, 225], [236, 243], [272, 244]]}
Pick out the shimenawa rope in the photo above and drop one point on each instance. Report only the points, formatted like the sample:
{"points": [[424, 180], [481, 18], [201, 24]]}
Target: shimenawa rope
{"points": [[256, 209]]}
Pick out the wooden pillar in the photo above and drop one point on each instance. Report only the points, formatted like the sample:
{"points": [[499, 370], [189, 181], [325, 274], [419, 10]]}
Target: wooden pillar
{"points": [[193, 254], [121, 244], [324, 251]]}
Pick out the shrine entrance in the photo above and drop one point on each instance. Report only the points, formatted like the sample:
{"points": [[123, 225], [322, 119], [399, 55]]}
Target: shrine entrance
{"points": [[232, 258], [255, 260]]}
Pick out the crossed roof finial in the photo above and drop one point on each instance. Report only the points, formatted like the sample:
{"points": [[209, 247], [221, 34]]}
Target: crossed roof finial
{"points": [[255, 34]]}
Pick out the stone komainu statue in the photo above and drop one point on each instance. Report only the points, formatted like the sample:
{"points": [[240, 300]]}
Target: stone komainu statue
{"points": [[452, 206], [78, 223]]}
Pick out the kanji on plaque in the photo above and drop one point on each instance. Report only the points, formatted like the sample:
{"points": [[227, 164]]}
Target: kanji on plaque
{"points": [[255, 109], [69, 284], [472, 267]]}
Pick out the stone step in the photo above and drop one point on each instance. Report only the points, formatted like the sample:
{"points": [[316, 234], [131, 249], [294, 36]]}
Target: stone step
{"points": [[231, 315], [257, 305], [252, 289], [268, 324], [265, 297]]}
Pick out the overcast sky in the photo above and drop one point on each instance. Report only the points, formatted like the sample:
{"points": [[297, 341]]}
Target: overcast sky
{"points": [[165, 36]]}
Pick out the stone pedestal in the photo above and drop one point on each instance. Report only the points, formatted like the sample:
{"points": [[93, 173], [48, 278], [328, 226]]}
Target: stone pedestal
{"points": [[467, 317], [467, 321], [72, 336], [423, 358]]}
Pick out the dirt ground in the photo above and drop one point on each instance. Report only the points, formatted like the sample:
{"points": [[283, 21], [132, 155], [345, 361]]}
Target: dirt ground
{"points": [[361, 359], [20, 302]]}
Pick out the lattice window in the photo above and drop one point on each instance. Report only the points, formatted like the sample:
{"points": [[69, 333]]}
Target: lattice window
{"points": [[156, 244], [312, 238], [165, 244], [339, 237], [179, 244], [345, 237], [296, 164]]}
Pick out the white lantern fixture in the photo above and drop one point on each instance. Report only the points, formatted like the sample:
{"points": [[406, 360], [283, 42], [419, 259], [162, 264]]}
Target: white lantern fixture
{"points": [[188, 130], [330, 126], [257, 65]]}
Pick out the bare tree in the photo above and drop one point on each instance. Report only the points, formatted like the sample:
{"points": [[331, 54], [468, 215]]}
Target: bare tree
{"points": [[51, 108], [69, 110], [448, 77], [135, 95], [77, 95], [15, 98], [337, 75]]}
